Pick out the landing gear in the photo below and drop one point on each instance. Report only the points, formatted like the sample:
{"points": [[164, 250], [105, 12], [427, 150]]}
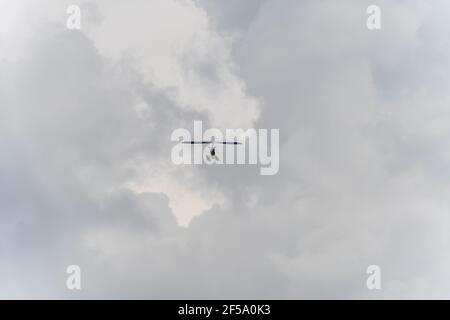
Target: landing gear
{"points": [[212, 155]]}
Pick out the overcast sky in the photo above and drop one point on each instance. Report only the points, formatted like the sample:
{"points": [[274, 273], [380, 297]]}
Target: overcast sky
{"points": [[86, 176]]}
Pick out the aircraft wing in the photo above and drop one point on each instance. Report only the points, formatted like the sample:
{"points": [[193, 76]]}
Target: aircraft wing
{"points": [[197, 142], [228, 142], [208, 142]]}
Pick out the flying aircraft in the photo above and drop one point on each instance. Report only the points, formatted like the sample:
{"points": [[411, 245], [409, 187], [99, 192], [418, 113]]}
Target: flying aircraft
{"points": [[212, 146]]}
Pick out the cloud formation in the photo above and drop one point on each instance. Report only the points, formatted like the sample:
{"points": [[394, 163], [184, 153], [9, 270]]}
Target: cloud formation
{"points": [[86, 177]]}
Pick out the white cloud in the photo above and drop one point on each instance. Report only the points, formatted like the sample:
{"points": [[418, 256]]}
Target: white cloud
{"points": [[177, 49], [364, 154]]}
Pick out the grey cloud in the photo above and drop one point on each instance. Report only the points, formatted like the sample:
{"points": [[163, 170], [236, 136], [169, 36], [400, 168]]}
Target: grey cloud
{"points": [[360, 181]]}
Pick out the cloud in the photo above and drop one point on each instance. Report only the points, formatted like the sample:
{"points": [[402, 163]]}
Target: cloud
{"points": [[176, 47], [86, 176]]}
